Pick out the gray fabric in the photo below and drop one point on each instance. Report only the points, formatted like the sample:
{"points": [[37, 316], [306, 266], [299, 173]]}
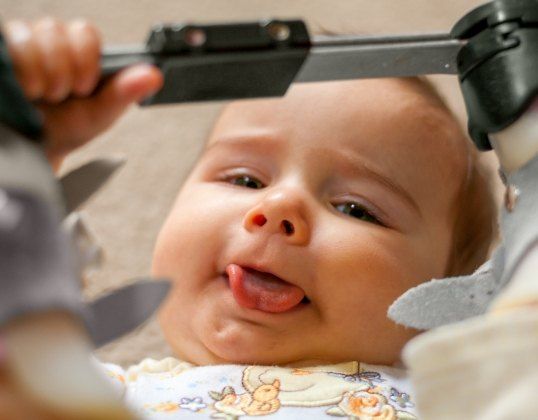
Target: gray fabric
{"points": [[37, 269], [445, 301], [37, 272], [81, 183], [125, 309], [89, 253], [23, 166]]}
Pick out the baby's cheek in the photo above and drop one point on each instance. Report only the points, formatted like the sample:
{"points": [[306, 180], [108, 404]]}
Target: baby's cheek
{"points": [[170, 249], [371, 271], [178, 248], [193, 237]]}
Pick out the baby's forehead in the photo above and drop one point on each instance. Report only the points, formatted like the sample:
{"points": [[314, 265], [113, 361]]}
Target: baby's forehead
{"points": [[385, 97], [403, 111]]}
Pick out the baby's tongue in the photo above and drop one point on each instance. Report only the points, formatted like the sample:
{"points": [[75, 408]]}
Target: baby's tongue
{"points": [[263, 291]]}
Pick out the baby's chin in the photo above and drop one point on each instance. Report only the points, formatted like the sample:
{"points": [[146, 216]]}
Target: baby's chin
{"points": [[231, 346], [251, 345], [245, 349], [252, 350]]}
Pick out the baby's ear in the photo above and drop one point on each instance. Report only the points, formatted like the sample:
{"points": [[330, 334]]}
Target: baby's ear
{"points": [[445, 301]]}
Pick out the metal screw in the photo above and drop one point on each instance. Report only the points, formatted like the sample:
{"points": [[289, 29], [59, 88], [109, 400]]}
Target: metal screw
{"points": [[195, 37], [278, 31]]}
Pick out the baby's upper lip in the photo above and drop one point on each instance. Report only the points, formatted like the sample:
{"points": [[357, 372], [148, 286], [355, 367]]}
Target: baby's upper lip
{"points": [[260, 268]]}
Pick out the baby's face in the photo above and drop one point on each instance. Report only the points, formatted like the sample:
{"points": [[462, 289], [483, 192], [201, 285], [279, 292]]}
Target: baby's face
{"points": [[304, 219]]}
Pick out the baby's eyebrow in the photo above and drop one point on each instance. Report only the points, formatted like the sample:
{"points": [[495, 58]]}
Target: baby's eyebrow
{"points": [[358, 164], [244, 140]]}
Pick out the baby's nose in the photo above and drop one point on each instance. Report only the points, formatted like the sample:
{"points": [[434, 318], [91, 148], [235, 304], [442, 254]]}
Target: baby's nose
{"points": [[280, 213]]}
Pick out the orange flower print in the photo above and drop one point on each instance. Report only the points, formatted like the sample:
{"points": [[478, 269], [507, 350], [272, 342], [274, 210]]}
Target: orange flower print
{"points": [[368, 406], [163, 407], [364, 405]]}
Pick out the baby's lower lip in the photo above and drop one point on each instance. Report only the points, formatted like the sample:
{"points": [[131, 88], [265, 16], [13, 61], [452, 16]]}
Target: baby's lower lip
{"points": [[263, 291]]}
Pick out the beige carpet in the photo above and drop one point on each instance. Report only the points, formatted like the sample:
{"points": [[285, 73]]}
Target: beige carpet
{"points": [[161, 143]]}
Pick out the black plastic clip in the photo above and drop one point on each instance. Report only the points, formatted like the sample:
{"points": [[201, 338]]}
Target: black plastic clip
{"points": [[498, 67], [227, 61]]}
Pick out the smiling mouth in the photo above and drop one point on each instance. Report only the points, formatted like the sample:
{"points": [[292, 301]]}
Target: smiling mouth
{"points": [[263, 291]]}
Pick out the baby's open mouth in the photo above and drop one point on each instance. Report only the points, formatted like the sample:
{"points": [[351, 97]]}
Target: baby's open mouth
{"points": [[263, 291]]}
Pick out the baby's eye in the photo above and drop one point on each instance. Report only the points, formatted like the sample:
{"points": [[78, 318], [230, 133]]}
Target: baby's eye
{"points": [[357, 211], [246, 181]]}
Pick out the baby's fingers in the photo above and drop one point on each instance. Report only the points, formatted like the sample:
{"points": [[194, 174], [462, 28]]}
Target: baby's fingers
{"points": [[56, 59], [26, 58], [85, 45], [76, 121]]}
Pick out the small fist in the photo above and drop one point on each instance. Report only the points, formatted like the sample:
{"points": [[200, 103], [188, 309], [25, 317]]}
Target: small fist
{"points": [[53, 60], [58, 67]]}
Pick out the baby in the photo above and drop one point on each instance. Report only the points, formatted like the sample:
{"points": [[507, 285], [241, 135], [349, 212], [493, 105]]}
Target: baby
{"points": [[302, 221], [307, 216]]}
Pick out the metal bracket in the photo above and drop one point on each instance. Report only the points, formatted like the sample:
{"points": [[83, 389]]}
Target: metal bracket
{"points": [[217, 62], [498, 65]]}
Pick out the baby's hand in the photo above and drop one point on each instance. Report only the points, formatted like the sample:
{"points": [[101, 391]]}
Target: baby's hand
{"points": [[57, 65]]}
